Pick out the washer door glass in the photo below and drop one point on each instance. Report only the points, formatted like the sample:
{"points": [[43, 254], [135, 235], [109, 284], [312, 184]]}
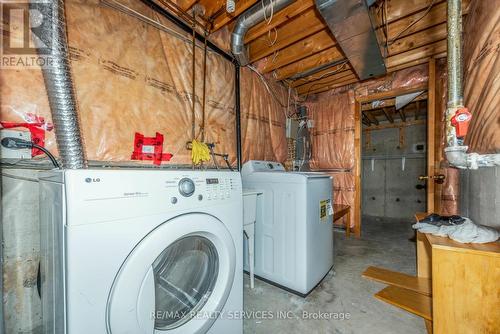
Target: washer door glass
{"points": [[185, 274]]}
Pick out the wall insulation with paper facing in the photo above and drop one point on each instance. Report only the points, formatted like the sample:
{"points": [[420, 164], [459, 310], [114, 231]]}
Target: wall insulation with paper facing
{"points": [[134, 76], [333, 135]]}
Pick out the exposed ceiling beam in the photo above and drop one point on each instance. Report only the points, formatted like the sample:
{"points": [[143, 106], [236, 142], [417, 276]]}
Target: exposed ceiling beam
{"points": [[388, 115], [300, 50], [371, 117], [366, 120], [284, 15], [291, 32], [418, 53], [226, 17], [321, 74], [325, 81], [212, 7], [401, 8], [390, 102], [186, 4], [395, 125], [324, 57], [402, 114], [392, 93], [341, 83], [436, 15], [419, 39]]}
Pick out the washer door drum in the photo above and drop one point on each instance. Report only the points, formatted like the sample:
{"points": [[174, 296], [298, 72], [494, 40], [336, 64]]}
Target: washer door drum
{"points": [[186, 284]]}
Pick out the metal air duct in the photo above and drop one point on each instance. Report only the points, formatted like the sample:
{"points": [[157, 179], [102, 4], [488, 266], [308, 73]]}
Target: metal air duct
{"points": [[253, 16], [350, 23]]}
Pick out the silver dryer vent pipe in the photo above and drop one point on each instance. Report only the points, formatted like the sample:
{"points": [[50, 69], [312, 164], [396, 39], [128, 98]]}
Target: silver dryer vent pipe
{"points": [[250, 18], [59, 85]]}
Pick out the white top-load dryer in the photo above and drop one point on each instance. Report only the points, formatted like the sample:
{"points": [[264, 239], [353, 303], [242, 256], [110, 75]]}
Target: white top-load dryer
{"points": [[293, 230], [141, 251]]}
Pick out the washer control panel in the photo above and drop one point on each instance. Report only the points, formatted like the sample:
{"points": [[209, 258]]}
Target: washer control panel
{"points": [[202, 187], [218, 188]]}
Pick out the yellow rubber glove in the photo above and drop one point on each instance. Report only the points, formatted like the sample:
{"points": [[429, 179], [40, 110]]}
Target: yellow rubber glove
{"points": [[199, 152]]}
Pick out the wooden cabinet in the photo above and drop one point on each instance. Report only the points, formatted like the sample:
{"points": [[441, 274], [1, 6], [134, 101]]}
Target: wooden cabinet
{"points": [[457, 287]]}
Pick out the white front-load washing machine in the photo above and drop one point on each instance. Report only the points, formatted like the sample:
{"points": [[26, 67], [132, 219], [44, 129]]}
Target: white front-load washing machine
{"points": [[141, 251]]}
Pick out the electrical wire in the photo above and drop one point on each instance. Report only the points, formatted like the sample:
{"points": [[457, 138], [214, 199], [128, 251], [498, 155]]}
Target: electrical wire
{"points": [[342, 67], [268, 21], [271, 43], [390, 42], [48, 154]]}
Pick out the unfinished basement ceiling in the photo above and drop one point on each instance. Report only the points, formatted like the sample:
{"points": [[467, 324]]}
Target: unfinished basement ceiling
{"points": [[385, 112], [296, 45]]}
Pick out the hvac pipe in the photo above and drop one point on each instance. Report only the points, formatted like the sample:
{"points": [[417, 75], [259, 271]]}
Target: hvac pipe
{"points": [[253, 16], [58, 83], [454, 60], [456, 154]]}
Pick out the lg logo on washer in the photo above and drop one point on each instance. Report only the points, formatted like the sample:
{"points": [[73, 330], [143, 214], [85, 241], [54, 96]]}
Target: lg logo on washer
{"points": [[91, 180]]}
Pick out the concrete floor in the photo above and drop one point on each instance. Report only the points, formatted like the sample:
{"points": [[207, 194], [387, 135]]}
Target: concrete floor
{"points": [[343, 292]]}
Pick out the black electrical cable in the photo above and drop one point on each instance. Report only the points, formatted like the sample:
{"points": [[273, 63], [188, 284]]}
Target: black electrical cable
{"points": [[48, 154], [18, 143]]}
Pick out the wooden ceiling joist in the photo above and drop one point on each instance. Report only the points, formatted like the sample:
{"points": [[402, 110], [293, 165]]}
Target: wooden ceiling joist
{"points": [[329, 55], [402, 8], [419, 39], [347, 74], [334, 69], [365, 120], [391, 102], [388, 115], [402, 114], [392, 93], [186, 4], [225, 17], [211, 7], [300, 50], [341, 83], [372, 118], [293, 31], [395, 125], [284, 15], [418, 53], [436, 15]]}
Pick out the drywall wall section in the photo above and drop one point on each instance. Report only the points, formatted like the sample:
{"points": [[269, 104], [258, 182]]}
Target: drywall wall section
{"points": [[132, 75], [390, 184]]}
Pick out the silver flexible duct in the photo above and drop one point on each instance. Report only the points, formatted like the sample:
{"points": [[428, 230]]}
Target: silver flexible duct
{"points": [[253, 16], [454, 60], [59, 85]]}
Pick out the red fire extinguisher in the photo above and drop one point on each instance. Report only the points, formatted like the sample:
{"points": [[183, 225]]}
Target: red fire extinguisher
{"points": [[461, 121]]}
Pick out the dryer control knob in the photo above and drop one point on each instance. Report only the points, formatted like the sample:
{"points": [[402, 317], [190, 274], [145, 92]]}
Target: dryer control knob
{"points": [[186, 187]]}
